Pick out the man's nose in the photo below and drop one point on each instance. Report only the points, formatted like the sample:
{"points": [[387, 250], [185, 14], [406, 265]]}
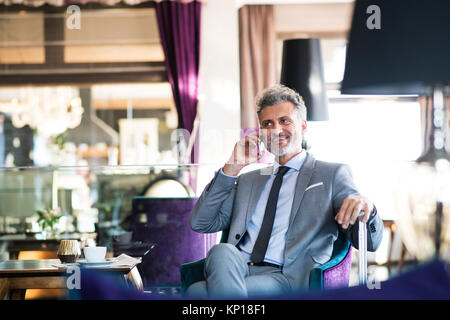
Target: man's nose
{"points": [[272, 132], [276, 129]]}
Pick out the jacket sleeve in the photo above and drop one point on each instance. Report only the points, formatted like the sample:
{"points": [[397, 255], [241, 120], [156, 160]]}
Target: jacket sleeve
{"points": [[343, 187], [212, 212]]}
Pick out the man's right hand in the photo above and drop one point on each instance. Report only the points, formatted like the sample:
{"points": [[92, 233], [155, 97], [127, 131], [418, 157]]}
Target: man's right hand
{"points": [[246, 151]]}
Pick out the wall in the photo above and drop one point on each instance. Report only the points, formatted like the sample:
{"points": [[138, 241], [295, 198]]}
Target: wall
{"points": [[219, 84]]}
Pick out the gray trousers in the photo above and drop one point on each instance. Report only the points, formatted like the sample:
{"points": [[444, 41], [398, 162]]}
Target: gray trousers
{"points": [[228, 276]]}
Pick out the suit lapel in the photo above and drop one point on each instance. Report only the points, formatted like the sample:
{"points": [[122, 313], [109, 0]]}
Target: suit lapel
{"points": [[303, 179], [257, 186]]}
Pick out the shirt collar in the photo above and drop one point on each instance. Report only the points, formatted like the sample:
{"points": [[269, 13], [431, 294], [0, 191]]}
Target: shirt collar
{"points": [[295, 163]]}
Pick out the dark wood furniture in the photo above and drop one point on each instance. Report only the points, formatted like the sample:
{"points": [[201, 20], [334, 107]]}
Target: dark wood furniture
{"points": [[15, 243], [16, 276]]}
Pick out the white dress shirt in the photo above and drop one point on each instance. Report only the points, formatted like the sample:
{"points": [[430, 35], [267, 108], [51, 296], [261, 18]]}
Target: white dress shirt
{"points": [[275, 249]]}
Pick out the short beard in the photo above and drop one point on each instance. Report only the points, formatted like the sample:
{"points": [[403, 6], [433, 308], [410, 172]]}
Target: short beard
{"points": [[294, 145]]}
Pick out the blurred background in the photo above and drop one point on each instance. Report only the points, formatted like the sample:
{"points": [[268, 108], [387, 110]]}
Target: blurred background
{"points": [[89, 122]]}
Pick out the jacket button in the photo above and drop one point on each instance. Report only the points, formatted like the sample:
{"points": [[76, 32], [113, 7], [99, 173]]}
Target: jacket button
{"points": [[238, 236]]}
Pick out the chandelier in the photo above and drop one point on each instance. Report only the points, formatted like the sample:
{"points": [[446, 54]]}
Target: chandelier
{"points": [[50, 110]]}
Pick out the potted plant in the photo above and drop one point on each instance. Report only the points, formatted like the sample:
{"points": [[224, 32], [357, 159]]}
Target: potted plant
{"points": [[47, 218]]}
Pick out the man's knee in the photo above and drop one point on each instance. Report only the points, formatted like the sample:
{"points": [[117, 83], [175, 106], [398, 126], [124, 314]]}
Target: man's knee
{"points": [[197, 290], [224, 256], [221, 251], [267, 285]]}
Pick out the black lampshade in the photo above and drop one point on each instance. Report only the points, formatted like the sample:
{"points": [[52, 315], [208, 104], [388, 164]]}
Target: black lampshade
{"points": [[302, 71], [409, 53]]}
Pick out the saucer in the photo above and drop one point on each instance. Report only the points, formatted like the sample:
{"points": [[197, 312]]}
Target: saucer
{"points": [[98, 264]]}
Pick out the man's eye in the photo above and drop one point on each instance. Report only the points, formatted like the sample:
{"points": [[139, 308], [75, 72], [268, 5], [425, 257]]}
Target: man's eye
{"points": [[267, 124]]}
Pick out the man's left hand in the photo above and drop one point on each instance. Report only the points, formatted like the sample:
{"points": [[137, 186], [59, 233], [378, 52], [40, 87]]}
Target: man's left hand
{"points": [[350, 209]]}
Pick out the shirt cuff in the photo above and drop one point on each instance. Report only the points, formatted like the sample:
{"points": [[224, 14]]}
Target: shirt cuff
{"points": [[374, 213]]}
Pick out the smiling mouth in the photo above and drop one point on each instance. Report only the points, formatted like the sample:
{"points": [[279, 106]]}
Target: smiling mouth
{"points": [[280, 139]]}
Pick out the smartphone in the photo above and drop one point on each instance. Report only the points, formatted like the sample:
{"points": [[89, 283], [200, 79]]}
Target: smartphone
{"points": [[260, 148]]}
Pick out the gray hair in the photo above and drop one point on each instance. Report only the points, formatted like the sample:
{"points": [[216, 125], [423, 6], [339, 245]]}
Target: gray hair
{"points": [[278, 94]]}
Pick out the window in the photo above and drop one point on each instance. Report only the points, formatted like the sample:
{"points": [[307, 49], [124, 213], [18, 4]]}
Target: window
{"points": [[114, 35], [112, 44], [88, 125], [22, 38]]}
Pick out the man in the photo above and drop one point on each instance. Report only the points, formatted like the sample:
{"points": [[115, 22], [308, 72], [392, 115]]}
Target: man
{"points": [[283, 222]]}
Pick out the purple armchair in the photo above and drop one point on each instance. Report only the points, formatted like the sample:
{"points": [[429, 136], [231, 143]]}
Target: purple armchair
{"points": [[165, 222], [332, 274]]}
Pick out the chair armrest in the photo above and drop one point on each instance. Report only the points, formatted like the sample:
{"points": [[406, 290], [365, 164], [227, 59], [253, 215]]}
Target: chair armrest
{"points": [[316, 278], [191, 272]]}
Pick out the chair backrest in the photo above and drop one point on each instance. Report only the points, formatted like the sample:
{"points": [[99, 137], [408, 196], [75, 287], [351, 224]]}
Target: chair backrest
{"points": [[165, 222]]}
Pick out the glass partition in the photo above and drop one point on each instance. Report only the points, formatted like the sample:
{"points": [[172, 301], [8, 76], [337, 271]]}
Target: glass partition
{"points": [[143, 208], [90, 196]]}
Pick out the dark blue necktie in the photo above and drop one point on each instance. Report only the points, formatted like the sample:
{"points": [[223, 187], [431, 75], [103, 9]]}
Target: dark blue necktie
{"points": [[260, 248]]}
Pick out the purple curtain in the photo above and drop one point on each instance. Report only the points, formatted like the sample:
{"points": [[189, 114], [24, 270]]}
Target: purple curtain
{"points": [[179, 29]]}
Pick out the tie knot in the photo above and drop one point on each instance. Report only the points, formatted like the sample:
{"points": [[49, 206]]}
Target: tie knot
{"points": [[282, 170]]}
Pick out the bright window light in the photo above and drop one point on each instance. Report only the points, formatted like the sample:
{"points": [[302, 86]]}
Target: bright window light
{"points": [[376, 137]]}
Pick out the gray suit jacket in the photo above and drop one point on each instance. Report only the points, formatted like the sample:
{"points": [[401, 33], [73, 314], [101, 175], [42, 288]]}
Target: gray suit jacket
{"points": [[227, 203]]}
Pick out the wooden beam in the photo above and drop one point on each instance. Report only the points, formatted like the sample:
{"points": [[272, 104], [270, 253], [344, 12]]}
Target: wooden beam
{"points": [[310, 34], [149, 66], [91, 6], [82, 78], [137, 104], [57, 282]]}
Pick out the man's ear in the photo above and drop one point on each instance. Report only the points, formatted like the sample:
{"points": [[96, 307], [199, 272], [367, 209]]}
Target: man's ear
{"points": [[304, 126]]}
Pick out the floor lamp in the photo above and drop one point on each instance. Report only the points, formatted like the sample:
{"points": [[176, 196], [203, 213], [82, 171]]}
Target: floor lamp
{"points": [[403, 48]]}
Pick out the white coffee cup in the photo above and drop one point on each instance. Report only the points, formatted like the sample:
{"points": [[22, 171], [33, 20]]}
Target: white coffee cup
{"points": [[94, 254]]}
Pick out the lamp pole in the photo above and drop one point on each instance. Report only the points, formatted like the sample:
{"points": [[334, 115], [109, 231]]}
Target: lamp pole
{"points": [[436, 152], [436, 148]]}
